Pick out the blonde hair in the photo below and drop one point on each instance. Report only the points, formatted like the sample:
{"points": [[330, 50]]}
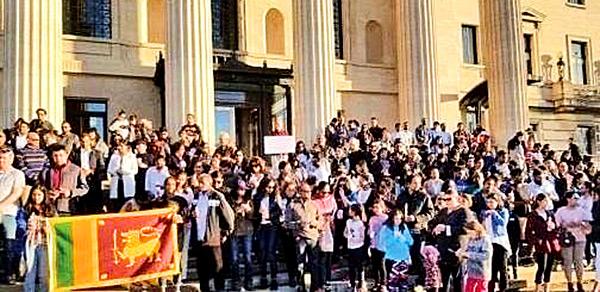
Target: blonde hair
{"points": [[476, 227]]}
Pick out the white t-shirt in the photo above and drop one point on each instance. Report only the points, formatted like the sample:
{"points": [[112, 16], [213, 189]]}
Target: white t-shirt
{"points": [[566, 216], [10, 180], [355, 233]]}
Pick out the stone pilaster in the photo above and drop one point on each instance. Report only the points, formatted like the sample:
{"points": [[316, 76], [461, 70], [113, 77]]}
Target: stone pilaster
{"points": [[504, 67], [32, 61], [189, 66], [417, 70], [142, 21], [315, 101]]}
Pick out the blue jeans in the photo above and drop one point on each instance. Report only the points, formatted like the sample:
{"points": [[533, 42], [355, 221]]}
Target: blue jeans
{"points": [[243, 244], [36, 278], [185, 250], [10, 257], [267, 238]]}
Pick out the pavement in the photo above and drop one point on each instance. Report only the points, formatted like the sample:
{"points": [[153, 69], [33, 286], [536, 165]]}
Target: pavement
{"points": [[558, 283]]}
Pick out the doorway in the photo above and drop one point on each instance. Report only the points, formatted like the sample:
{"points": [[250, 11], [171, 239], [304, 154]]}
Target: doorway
{"points": [[239, 116], [242, 123]]}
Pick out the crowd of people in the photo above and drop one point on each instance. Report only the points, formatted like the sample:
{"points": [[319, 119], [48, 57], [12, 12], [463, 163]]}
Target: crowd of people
{"points": [[402, 207]]}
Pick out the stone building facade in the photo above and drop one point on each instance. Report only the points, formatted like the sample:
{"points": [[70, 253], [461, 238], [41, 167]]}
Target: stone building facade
{"points": [[250, 66]]}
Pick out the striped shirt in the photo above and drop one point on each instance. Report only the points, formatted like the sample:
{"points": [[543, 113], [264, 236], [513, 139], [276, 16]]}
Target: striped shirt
{"points": [[32, 161]]}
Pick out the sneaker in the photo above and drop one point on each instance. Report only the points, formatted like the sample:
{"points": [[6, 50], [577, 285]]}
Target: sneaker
{"points": [[570, 287], [580, 287]]}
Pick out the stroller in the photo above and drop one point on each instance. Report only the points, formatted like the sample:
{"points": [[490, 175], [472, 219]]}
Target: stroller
{"points": [[399, 280]]}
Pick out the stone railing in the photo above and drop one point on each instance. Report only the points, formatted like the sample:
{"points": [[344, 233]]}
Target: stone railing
{"points": [[567, 96]]}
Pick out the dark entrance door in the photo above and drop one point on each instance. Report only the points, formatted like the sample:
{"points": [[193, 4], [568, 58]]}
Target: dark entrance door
{"points": [[240, 118], [250, 103]]}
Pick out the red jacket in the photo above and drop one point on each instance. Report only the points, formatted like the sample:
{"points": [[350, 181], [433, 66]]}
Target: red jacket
{"points": [[537, 234]]}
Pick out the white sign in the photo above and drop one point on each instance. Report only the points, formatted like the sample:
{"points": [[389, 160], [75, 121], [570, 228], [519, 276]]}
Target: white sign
{"points": [[279, 144]]}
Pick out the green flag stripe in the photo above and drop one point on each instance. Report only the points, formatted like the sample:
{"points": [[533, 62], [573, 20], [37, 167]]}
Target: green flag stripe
{"points": [[64, 254]]}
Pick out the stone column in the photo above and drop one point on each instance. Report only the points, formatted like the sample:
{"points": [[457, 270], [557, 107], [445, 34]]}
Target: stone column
{"points": [[189, 66], [504, 67], [417, 70], [32, 61], [315, 103]]}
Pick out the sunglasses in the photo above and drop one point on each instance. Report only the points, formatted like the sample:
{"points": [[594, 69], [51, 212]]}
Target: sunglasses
{"points": [[445, 199]]}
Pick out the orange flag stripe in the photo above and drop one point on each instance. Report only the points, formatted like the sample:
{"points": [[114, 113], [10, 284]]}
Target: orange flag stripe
{"points": [[85, 246]]}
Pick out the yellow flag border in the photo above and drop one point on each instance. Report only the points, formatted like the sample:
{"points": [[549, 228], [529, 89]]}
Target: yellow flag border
{"points": [[50, 222]]}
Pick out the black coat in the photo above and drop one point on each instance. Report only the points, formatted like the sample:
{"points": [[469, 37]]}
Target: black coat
{"points": [[595, 236]]}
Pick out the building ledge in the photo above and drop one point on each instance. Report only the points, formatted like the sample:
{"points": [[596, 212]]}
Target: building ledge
{"points": [[568, 97]]}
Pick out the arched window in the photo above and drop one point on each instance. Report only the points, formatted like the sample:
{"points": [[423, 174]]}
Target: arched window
{"points": [[90, 18], [374, 42], [225, 24], [275, 33]]}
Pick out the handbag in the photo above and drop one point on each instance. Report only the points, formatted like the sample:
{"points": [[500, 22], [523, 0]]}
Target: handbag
{"points": [[566, 238]]}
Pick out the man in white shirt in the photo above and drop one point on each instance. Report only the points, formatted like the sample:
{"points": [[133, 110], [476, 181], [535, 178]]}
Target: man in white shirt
{"points": [[21, 139], [156, 176], [539, 184], [405, 136], [12, 184]]}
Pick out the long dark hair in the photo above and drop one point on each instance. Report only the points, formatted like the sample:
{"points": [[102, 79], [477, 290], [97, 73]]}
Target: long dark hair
{"points": [[45, 209], [264, 183], [390, 221]]}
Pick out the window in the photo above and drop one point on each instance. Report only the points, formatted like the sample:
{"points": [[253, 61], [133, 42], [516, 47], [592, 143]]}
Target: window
{"points": [[579, 74], [225, 24], [275, 32], [528, 54], [89, 18], [576, 2], [85, 114], [338, 29], [374, 42], [469, 37]]}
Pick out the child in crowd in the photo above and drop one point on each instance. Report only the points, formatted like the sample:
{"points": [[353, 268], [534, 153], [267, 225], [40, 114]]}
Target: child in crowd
{"points": [[355, 234], [38, 208], [395, 241], [377, 256], [478, 257], [433, 274]]}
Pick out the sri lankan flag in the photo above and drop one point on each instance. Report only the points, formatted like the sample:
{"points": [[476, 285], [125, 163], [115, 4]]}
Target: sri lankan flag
{"points": [[111, 249]]}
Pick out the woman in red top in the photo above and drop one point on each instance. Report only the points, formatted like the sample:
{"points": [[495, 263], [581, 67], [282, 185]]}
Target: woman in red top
{"points": [[541, 232]]}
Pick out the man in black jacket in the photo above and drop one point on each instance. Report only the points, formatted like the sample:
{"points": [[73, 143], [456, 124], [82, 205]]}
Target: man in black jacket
{"points": [[418, 209], [448, 234]]}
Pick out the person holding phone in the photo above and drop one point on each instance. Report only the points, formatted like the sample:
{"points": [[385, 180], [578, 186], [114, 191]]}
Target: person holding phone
{"points": [[541, 233]]}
